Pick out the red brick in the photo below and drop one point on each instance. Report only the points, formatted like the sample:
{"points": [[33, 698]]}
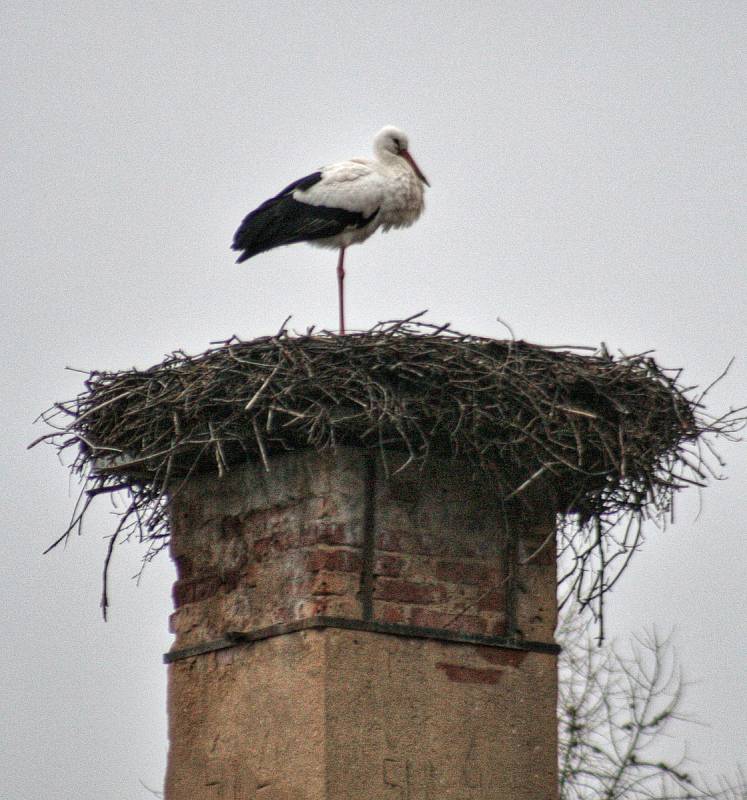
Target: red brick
{"points": [[393, 613], [185, 619], [466, 623], [285, 540], [331, 583], [256, 522], [389, 540], [185, 516], [497, 626], [184, 567], [250, 575], [431, 543], [262, 547], [504, 657], [493, 600], [193, 591], [333, 560], [323, 507], [298, 588], [277, 542], [326, 532], [280, 615], [334, 533], [331, 606], [319, 606], [401, 541], [546, 557], [462, 674], [230, 526], [407, 592], [467, 572], [312, 533], [389, 566]]}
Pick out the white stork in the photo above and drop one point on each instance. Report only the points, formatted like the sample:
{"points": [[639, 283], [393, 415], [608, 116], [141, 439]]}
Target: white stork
{"points": [[340, 205]]}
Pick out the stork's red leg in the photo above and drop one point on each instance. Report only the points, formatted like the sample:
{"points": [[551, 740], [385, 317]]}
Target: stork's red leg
{"points": [[340, 291]]}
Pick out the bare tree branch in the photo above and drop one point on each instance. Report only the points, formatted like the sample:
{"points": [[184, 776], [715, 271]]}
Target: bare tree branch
{"points": [[615, 708]]}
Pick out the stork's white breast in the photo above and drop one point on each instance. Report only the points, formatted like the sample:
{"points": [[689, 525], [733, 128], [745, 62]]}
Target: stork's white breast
{"points": [[365, 186]]}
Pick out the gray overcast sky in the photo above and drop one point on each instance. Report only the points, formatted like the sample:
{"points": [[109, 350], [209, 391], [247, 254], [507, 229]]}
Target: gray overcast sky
{"points": [[588, 177]]}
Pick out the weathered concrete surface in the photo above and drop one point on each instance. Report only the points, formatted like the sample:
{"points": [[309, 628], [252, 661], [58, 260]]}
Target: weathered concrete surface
{"points": [[249, 722], [343, 714], [335, 715], [429, 720]]}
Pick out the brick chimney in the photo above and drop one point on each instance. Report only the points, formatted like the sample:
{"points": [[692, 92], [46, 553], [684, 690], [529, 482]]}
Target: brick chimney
{"points": [[364, 533], [345, 630]]}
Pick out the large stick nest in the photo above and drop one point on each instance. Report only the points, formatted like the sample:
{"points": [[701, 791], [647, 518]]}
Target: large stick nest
{"points": [[609, 438]]}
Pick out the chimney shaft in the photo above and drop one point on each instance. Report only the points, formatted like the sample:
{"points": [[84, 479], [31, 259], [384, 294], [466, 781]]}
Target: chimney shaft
{"points": [[344, 630]]}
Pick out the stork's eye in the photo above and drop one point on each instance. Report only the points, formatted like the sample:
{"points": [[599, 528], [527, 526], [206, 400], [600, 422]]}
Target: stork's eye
{"points": [[397, 143]]}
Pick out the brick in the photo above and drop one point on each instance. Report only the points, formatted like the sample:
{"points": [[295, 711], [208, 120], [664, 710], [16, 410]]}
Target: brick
{"points": [[389, 566], [408, 592], [393, 613], [332, 583], [330, 605], [546, 557], [422, 541], [323, 507], [224, 658], [333, 560], [230, 526], [497, 626], [184, 567], [283, 614], [466, 623], [185, 619], [493, 600], [298, 587], [467, 572], [192, 591], [401, 541], [251, 573], [256, 522], [506, 658], [343, 606], [327, 532], [418, 568], [309, 534], [262, 547], [285, 540], [185, 516], [461, 674], [279, 541]]}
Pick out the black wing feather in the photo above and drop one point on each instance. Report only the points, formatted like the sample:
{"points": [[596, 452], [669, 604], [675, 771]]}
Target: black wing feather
{"points": [[282, 220]]}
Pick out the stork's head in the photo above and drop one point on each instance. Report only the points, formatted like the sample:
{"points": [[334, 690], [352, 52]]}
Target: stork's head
{"points": [[391, 141]]}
